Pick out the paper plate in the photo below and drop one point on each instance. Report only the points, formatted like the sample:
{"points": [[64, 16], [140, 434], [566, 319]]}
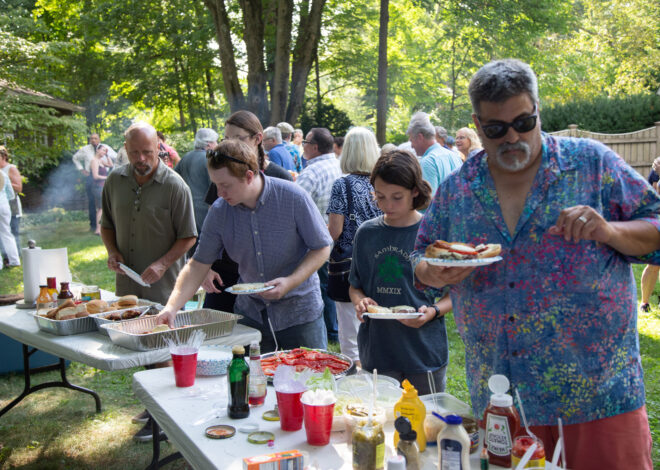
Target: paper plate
{"points": [[248, 291], [463, 263], [133, 275], [391, 316]]}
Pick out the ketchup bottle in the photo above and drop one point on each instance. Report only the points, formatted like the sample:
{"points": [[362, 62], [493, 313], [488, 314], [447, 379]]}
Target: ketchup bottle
{"points": [[502, 422]]}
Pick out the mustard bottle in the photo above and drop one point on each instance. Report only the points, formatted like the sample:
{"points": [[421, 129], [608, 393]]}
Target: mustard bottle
{"points": [[410, 406]]}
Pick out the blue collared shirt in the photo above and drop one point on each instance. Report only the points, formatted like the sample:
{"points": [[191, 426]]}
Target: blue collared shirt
{"points": [[268, 242], [437, 163], [558, 318], [281, 156]]}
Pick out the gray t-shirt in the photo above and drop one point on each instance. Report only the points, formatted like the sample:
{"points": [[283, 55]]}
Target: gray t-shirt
{"points": [[381, 268], [192, 169]]}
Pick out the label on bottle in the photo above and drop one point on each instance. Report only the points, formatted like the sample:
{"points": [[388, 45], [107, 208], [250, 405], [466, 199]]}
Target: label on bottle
{"points": [[498, 435], [532, 463], [257, 388], [380, 455], [450, 454]]}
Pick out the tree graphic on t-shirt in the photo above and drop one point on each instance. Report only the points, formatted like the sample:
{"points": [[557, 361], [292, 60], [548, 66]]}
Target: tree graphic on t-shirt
{"points": [[390, 269]]}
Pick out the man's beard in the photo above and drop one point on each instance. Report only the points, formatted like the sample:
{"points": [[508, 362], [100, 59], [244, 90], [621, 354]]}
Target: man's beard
{"points": [[513, 162], [144, 171]]}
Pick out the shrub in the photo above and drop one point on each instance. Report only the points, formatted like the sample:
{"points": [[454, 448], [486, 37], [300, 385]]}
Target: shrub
{"points": [[604, 114], [327, 115]]}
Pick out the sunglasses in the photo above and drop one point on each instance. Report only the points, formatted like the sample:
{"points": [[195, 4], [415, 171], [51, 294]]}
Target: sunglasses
{"points": [[520, 125], [308, 142], [216, 155]]}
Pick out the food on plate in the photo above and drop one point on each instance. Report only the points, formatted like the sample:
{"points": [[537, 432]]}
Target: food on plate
{"points": [[53, 312], [395, 309], [248, 286], [127, 301], [302, 358], [460, 251], [96, 306], [403, 309], [124, 315]]}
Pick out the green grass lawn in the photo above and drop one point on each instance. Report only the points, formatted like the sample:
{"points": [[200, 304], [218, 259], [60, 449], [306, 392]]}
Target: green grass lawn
{"points": [[57, 428]]}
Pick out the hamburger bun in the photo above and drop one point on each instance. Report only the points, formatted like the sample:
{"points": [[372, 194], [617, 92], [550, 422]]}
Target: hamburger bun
{"points": [[403, 309], [378, 309], [492, 249], [66, 313], [96, 306], [127, 301], [82, 314]]}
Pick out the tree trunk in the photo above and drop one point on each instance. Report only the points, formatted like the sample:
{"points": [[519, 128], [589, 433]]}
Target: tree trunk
{"points": [[182, 116], [253, 36], [381, 106], [233, 91], [304, 52], [280, 85]]}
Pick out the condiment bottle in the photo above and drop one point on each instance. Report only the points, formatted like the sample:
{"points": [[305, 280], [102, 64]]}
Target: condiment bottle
{"points": [[238, 377], [396, 462], [502, 422], [52, 287], [453, 445], [368, 446], [410, 406], [45, 301], [65, 293], [407, 445], [257, 390]]}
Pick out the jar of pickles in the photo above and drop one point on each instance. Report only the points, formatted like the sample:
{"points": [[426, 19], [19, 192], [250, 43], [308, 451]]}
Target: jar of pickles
{"points": [[88, 293]]}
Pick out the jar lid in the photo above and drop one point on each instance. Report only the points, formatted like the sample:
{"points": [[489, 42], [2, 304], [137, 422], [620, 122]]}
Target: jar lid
{"points": [[504, 400], [238, 349], [271, 415], [248, 428], [498, 384], [260, 437], [220, 431]]}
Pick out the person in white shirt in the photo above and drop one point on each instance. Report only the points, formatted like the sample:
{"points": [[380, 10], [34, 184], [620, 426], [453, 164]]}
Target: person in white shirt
{"points": [[81, 160]]}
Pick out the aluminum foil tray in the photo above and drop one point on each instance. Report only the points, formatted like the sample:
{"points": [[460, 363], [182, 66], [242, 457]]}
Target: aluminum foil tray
{"points": [[129, 333], [100, 320], [75, 326]]}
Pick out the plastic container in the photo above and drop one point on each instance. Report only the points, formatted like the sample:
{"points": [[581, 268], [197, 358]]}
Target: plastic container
{"points": [[520, 446], [257, 389], [184, 360], [410, 406]]}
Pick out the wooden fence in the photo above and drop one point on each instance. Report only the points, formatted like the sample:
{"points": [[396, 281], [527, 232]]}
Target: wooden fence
{"points": [[638, 148]]}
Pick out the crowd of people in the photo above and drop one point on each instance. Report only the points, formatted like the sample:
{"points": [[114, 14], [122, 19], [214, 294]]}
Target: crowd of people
{"points": [[335, 224]]}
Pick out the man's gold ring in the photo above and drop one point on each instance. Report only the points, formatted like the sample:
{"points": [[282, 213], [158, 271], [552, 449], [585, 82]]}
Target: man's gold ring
{"points": [[582, 219]]}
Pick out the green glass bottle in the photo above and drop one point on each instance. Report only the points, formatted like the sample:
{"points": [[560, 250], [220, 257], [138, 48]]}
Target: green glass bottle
{"points": [[238, 377]]}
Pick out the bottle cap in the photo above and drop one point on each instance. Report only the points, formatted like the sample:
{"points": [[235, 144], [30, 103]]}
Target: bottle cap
{"points": [[238, 349], [499, 385], [396, 462], [453, 419], [402, 425], [408, 389]]}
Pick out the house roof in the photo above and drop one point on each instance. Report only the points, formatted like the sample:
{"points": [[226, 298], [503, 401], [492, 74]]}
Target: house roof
{"points": [[40, 98]]}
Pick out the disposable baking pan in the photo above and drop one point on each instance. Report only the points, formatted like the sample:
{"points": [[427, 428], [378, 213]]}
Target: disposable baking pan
{"points": [[99, 318], [131, 333], [74, 326]]}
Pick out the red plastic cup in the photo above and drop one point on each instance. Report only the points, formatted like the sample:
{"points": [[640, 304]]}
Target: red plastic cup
{"points": [[185, 366], [291, 410], [318, 423]]}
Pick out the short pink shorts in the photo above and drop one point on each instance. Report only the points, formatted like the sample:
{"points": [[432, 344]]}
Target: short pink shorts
{"points": [[619, 442]]}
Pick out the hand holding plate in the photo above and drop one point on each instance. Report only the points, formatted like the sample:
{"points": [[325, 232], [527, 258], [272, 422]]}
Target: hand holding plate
{"points": [[362, 305], [154, 272], [429, 314], [282, 287], [113, 262], [441, 276]]}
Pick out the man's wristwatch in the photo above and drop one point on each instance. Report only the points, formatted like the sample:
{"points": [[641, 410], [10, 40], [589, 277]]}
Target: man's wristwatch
{"points": [[438, 313]]}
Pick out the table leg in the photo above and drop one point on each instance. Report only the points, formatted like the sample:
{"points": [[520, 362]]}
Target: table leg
{"points": [[155, 441], [28, 388]]}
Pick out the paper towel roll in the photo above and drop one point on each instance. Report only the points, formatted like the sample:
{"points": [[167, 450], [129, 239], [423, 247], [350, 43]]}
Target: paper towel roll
{"points": [[38, 264]]}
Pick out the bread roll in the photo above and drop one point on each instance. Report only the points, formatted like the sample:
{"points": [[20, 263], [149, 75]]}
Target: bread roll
{"points": [[127, 301], [378, 309], [96, 306], [492, 249], [66, 313]]}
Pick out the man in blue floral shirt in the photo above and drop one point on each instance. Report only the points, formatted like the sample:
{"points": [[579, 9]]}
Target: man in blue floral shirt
{"points": [[557, 315]]}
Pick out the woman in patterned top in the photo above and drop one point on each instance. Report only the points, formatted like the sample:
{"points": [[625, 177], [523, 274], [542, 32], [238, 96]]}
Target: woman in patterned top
{"points": [[359, 156]]}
